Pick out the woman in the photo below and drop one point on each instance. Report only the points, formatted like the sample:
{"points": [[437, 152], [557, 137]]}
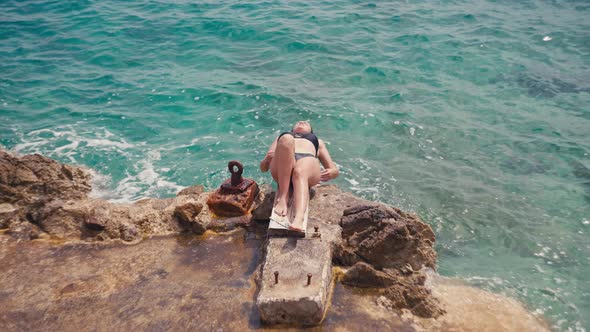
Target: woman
{"points": [[295, 157]]}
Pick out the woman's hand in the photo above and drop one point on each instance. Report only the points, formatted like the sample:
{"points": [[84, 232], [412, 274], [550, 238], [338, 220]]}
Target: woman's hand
{"points": [[329, 174], [265, 163]]}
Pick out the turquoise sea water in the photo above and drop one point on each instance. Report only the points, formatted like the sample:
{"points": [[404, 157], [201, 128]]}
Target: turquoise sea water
{"points": [[474, 114]]}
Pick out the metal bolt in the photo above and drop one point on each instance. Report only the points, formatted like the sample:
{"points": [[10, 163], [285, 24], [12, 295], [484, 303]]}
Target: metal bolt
{"points": [[316, 228], [276, 277], [308, 279]]}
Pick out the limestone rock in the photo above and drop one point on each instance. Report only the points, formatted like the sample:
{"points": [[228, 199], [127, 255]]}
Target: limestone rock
{"points": [[364, 275], [387, 249], [99, 217], [385, 237], [187, 213], [129, 232], [25, 180], [401, 290], [61, 219], [8, 212], [195, 190], [22, 229], [410, 292]]}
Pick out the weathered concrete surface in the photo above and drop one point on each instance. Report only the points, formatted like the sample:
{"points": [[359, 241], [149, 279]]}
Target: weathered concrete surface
{"points": [[291, 301]]}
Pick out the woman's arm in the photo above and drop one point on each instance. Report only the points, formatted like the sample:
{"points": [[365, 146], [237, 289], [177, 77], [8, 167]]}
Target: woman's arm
{"points": [[330, 169], [265, 163]]}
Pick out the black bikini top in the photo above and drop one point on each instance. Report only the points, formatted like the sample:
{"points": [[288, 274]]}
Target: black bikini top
{"points": [[308, 136]]}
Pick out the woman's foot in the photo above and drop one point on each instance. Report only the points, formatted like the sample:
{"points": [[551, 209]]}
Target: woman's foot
{"points": [[297, 225], [298, 232], [280, 207]]}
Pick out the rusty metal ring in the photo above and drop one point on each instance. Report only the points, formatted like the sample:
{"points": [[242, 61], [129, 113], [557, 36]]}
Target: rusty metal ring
{"points": [[235, 163], [236, 176]]}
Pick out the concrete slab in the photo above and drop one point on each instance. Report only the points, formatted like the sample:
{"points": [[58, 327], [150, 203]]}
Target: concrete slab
{"points": [[292, 301]]}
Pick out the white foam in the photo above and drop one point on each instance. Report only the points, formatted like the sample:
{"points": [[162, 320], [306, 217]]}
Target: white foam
{"points": [[35, 142], [100, 185], [74, 141], [70, 153], [352, 181], [147, 183]]}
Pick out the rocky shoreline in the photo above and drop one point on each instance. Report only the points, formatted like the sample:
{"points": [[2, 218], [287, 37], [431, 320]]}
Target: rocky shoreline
{"points": [[378, 247]]}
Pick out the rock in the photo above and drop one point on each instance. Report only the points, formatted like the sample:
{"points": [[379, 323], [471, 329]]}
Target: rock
{"points": [[407, 269], [186, 214], [384, 302], [263, 203], [95, 224], [129, 232], [160, 204], [364, 275], [23, 230], [31, 178], [61, 219], [7, 213], [99, 217], [385, 237], [421, 302], [410, 292], [113, 216], [154, 222], [387, 249], [195, 190], [401, 291], [345, 256]]}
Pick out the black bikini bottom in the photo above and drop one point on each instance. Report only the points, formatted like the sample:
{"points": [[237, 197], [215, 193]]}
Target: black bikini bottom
{"points": [[302, 155]]}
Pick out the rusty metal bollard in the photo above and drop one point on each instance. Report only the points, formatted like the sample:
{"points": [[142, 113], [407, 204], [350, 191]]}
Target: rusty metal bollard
{"points": [[308, 279], [276, 277], [235, 195]]}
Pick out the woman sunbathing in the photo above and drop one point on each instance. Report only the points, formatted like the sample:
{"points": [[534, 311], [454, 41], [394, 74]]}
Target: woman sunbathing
{"points": [[293, 158]]}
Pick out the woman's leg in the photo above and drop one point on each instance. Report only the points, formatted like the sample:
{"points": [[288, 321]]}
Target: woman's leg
{"points": [[281, 168], [305, 175]]}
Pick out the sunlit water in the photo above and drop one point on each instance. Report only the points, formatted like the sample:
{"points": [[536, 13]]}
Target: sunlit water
{"points": [[474, 114]]}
